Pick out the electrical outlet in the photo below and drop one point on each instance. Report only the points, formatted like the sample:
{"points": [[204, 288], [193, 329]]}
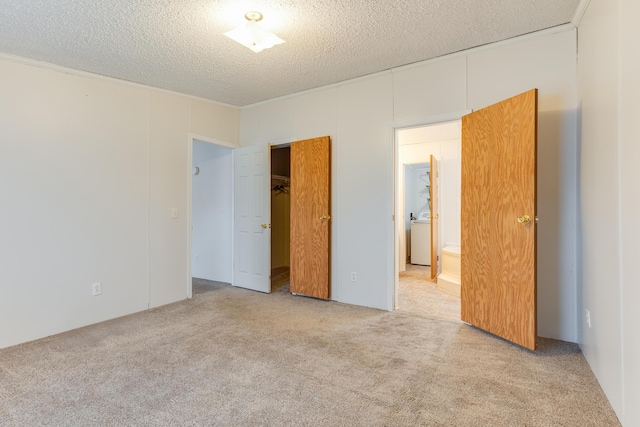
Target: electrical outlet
{"points": [[174, 213], [353, 276], [96, 289], [588, 318]]}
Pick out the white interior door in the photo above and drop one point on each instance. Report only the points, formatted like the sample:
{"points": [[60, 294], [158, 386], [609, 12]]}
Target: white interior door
{"points": [[252, 227]]}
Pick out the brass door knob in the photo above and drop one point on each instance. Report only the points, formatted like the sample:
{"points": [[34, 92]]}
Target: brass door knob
{"points": [[524, 219], [265, 225], [325, 217]]}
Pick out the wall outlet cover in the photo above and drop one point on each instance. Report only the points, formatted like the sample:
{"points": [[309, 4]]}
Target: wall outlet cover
{"points": [[96, 289]]}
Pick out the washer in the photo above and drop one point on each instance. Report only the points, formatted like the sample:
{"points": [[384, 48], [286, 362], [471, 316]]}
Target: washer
{"points": [[421, 240]]}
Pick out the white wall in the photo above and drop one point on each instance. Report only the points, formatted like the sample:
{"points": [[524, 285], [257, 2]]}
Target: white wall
{"points": [[449, 188], [609, 205], [359, 115], [421, 197], [211, 241], [89, 171], [629, 140], [410, 200]]}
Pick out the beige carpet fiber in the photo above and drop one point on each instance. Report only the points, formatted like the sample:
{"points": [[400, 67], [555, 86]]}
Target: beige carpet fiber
{"points": [[233, 357]]}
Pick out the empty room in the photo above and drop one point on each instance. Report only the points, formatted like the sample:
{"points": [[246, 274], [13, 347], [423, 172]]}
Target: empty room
{"points": [[205, 221]]}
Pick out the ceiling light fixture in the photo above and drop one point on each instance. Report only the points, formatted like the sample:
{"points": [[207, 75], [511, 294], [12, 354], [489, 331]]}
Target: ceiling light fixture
{"points": [[252, 35]]}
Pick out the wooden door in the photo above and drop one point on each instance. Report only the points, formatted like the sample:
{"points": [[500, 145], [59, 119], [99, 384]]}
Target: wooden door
{"points": [[433, 197], [498, 211], [251, 214], [310, 217]]}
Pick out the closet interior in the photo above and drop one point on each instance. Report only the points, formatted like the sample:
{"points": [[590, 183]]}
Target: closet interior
{"points": [[280, 211]]}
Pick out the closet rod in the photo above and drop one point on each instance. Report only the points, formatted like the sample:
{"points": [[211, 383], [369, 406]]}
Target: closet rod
{"points": [[281, 178]]}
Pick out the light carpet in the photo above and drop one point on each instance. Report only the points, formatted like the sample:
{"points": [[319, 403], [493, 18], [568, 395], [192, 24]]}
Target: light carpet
{"points": [[232, 357]]}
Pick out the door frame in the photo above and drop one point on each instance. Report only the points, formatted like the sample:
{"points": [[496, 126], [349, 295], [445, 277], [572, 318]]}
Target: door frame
{"points": [[394, 279], [191, 137]]}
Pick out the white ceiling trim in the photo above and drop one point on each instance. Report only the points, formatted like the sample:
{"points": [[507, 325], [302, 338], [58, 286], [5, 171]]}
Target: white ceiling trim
{"points": [[89, 75], [513, 40], [318, 89], [580, 11], [488, 46]]}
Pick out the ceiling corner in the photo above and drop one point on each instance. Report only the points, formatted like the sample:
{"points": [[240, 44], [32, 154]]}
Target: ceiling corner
{"points": [[580, 11]]}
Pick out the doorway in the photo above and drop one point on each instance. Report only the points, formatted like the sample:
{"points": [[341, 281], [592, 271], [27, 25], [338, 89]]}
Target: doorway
{"points": [[309, 217], [301, 217], [417, 149], [280, 217], [211, 216]]}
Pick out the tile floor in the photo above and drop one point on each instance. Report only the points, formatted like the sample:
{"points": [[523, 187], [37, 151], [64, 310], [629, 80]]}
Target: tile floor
{"points": [[418, 294]]}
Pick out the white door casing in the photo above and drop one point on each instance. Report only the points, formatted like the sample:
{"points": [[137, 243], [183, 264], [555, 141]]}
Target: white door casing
{"points": [[252, 227]]}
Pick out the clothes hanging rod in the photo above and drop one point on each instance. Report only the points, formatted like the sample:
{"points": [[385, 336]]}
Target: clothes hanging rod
{"points": [[281, 178]]}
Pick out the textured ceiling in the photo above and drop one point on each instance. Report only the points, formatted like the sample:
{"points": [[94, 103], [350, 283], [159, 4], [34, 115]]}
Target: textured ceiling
{"points": [[178, 44]]}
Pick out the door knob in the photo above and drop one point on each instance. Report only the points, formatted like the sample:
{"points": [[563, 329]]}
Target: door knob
{"points": [[524, 219], [265, 225], [323, 217]]}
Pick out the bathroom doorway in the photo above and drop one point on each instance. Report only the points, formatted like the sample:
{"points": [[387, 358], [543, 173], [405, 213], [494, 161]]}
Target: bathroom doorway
{"points": [[416, 148]]}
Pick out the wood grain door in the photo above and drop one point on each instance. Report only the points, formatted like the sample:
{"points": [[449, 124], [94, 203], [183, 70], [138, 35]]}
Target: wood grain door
{"points": [[433, 197], [498, 211], [310, 217]]}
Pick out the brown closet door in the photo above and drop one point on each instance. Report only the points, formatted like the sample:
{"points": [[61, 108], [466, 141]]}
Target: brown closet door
{"points": [[310, 217]]}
